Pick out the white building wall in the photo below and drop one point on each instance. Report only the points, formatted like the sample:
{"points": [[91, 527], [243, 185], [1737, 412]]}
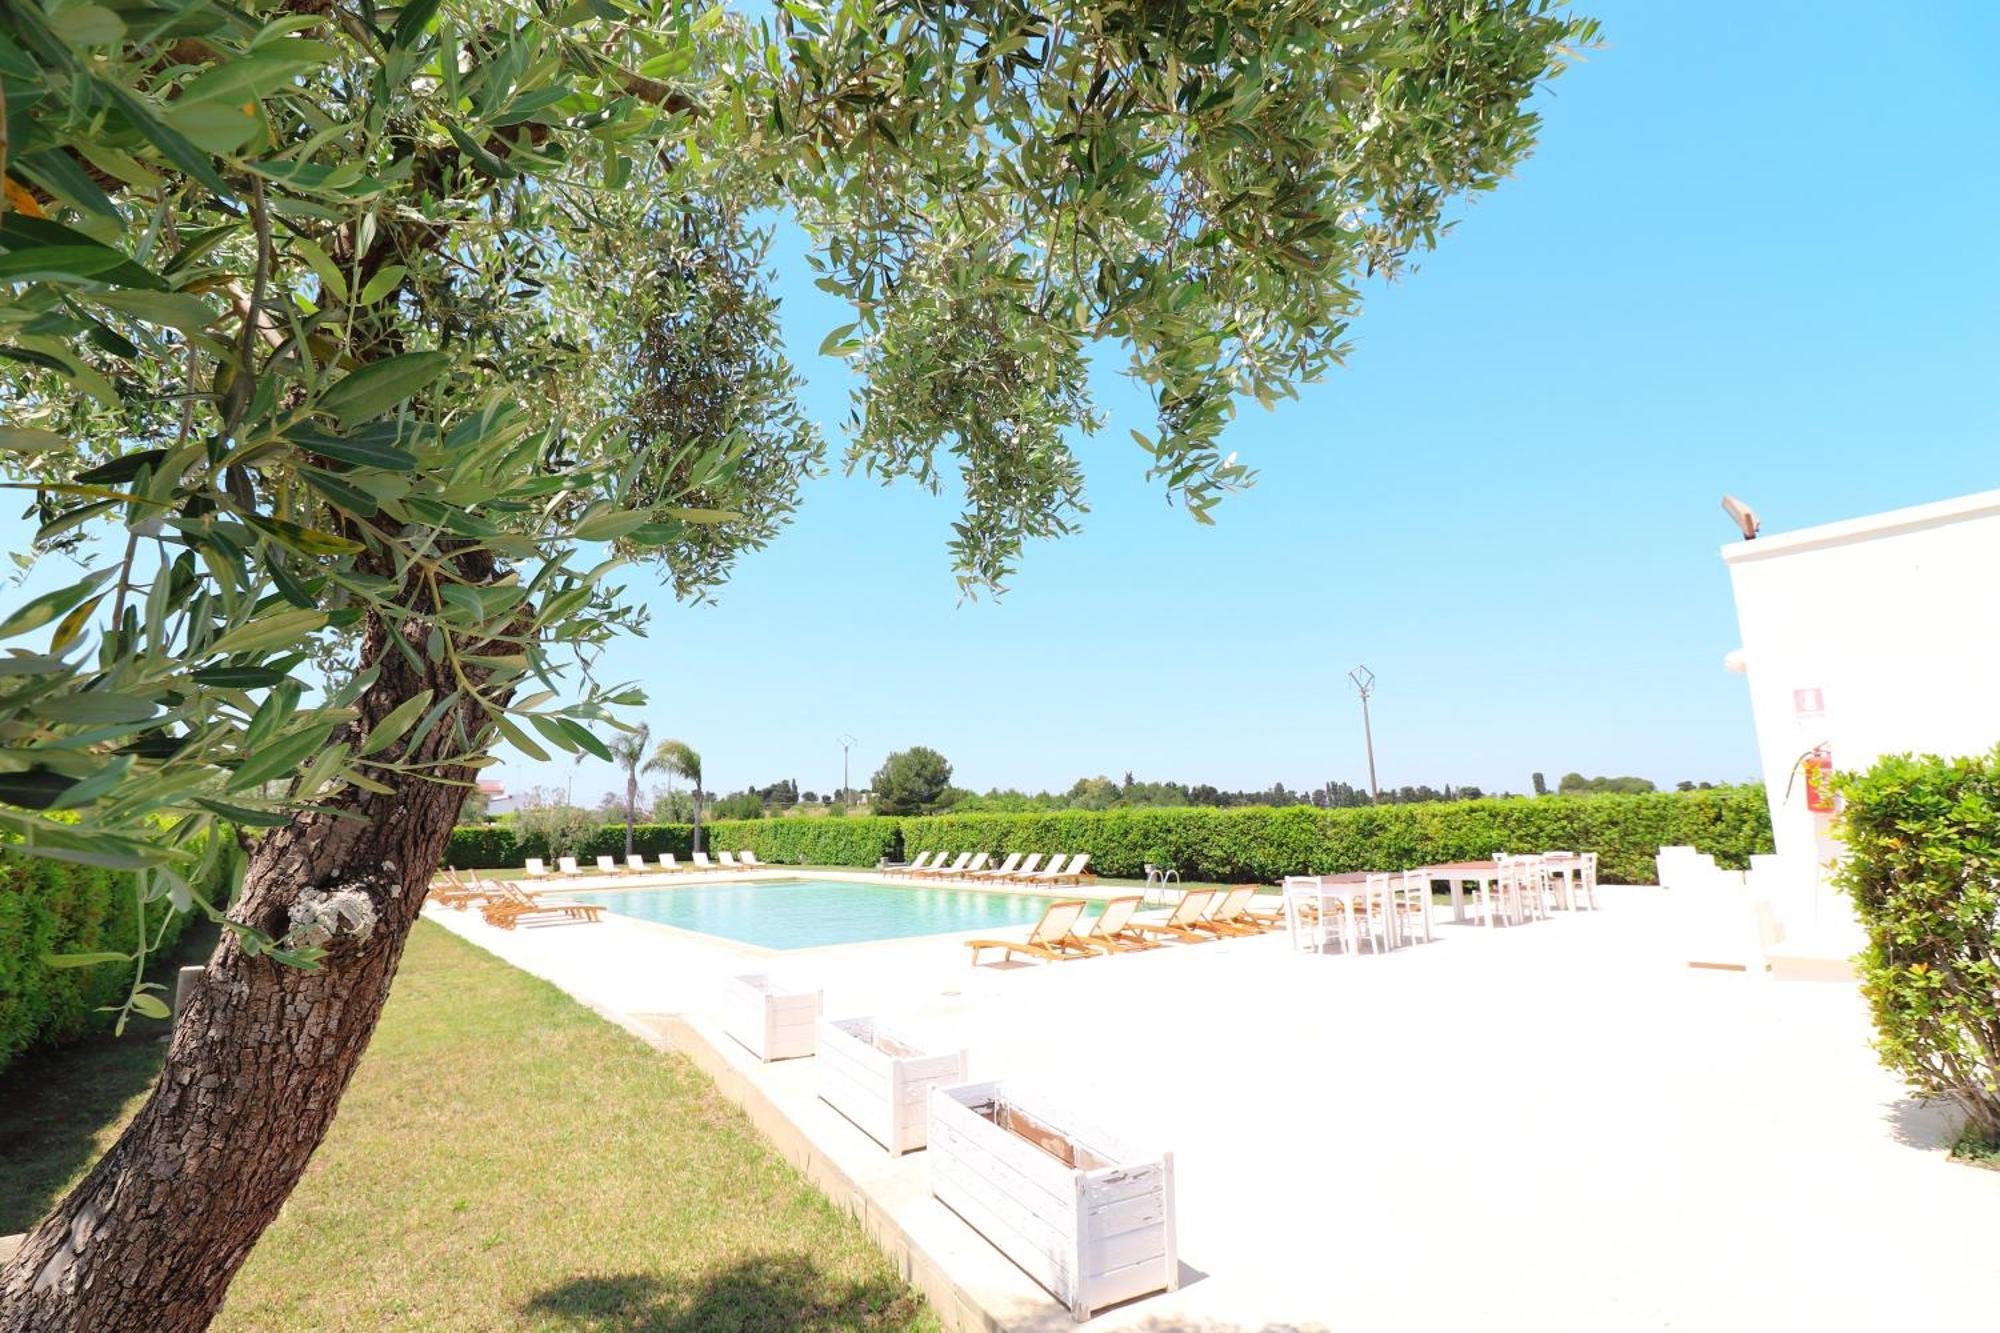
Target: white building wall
{"points": [[1870, 637]]}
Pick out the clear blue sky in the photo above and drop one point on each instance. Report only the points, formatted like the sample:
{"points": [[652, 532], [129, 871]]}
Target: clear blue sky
{"points": [[1754, 252]]}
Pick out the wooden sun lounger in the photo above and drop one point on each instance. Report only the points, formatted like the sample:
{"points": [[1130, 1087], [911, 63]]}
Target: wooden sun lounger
{"points": [[456, 893], [513, 907], [1052, 940], [1185, 921], [1228, 913], [957, 867], [1002, 871], [1077, 872], [1113, 932], [972, 867], [1025, 871]]}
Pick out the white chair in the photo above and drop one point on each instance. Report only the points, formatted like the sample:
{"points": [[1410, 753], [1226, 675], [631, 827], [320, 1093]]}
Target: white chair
{"points": [[1375, 913], [1306, 916], [1500, 897], [1532, 887], [1561, 870], [1413, 903], [1588, 881]]}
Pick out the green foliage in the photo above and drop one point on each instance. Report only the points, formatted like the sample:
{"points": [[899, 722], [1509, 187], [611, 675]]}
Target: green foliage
{"points": [[855, 841], [1576, 784], [1923, 869], [52, 908], [743, 805], [1264, 844], [558, 827], [911, 781]]}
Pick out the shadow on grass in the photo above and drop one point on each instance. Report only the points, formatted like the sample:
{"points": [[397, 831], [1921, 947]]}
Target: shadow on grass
{"points": [[774, 1293], [58, 1107]]}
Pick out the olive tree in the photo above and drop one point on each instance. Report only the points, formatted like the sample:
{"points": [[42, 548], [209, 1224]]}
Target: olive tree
{"points": [[395, 341]]}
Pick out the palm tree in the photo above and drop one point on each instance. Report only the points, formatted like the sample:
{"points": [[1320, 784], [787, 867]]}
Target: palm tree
{"points": [[628, 750], [679, 759]]}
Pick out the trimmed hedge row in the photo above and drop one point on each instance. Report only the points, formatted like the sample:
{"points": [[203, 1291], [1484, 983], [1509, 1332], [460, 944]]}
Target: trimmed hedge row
{"points": [[1233, 845], [53, 907], [1263, 844], [822, 842]]}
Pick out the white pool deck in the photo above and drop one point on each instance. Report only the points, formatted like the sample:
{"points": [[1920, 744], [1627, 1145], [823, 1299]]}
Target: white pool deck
{"points": [[1558, 1126]]}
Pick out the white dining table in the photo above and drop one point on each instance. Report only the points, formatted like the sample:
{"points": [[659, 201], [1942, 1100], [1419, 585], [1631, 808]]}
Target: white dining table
{"points": [[1486, 874]]}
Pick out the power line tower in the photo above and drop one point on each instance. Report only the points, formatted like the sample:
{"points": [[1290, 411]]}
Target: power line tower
{"points": [[1364, 685], [845, 742]]}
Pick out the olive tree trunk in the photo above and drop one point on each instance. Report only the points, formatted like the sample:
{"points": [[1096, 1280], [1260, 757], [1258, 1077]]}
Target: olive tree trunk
{"points": [[153, 1235]]}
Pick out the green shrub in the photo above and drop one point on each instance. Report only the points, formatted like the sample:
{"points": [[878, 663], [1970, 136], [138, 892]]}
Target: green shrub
{"points": [[53, 907], [856, 841], [846, 842], [1264, 844], [1923, 869]]}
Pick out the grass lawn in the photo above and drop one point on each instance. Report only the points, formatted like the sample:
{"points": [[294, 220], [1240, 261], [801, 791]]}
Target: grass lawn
{"points": [[505, 1159]]}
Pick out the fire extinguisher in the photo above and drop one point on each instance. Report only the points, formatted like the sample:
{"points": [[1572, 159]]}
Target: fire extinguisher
{"points": [[1819, 787]]}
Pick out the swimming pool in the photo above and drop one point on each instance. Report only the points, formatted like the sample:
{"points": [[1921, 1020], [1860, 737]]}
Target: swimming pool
{"points": [[804, 913]]}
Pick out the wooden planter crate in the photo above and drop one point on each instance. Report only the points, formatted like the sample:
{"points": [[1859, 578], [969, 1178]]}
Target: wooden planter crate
{"points": [[774, 1020], [1085, 1216], [880, 1080]]}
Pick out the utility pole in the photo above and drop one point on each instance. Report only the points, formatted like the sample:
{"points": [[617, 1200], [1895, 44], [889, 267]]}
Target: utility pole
{"points": [[1364, 685], [846, 741]]}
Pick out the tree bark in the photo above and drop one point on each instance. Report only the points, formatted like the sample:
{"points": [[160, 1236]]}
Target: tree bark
{"points": [[153, 1235]]}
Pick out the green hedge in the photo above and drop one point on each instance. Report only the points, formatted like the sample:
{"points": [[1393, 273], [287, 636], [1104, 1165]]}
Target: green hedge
{"points": [[1264, 844], [53, 907], [824, 842], [1241, 844], [1923, 868]]}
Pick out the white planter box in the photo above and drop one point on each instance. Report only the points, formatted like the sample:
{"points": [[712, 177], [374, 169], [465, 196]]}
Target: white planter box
{"points": [[774, 1020], [1088, 1218], [881, 1080]]}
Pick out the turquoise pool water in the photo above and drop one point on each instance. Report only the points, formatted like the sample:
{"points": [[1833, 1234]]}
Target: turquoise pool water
{"points": [[803, 913]]}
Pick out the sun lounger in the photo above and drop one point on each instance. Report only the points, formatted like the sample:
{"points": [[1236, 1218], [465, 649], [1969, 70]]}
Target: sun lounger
{"points": [[728, 860], [1076, 873], [1184, 922], [1048, 874], [701, 862], [536, 868], [635, 864], [922, 862], [1112, 930], [457, 893], [1026, 868], [606, 866], [976, 864], [945, 872], [567, 865], [749, 859], [513, 907], [1228, 913], [1003, 871], [670, 864], [1052, 939]]}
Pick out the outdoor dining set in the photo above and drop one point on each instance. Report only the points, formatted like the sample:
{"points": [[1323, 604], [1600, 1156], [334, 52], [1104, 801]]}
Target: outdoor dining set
{"points": [[1386, 910]]}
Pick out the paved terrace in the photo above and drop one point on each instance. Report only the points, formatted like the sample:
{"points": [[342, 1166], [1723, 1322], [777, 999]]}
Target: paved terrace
{"points": [[1558, 1126]]}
